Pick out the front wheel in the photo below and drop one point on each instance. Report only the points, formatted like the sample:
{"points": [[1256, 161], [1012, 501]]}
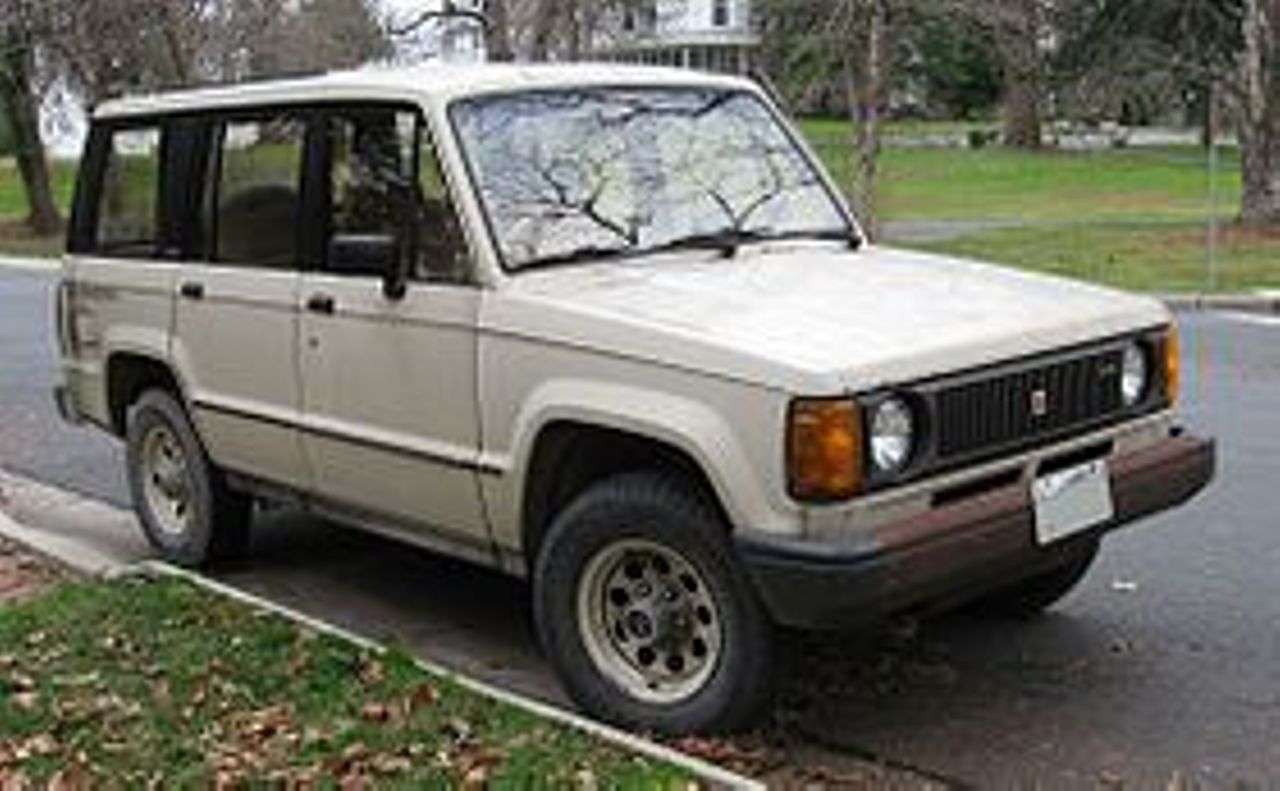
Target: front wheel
{"points": [[644, 613], [187, 512]]}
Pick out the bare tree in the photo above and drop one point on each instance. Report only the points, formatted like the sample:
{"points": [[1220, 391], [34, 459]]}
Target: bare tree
{"points": [[498, 42], [813, 44], [1260, 112], [865, 67], [18, 101]]}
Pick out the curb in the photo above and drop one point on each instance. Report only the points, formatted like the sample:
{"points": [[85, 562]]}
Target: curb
{"points": [[714, 776], [38, 265], [1265, 303], [72, 554], [92, 563]]}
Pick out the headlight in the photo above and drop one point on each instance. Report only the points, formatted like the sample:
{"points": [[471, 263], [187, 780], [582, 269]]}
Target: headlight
{"points": [[892, 430], [1135, 376]]}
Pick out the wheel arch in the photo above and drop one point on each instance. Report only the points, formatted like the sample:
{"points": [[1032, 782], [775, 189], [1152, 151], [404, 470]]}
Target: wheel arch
{"points": [[569, 456], [128, 375]]}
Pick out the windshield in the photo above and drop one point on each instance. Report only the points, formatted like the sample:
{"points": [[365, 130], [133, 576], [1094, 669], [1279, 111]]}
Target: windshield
{"points": [[583, 174]]}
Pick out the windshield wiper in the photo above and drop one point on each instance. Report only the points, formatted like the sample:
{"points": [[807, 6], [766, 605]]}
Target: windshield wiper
{"points": [[730, 240]]}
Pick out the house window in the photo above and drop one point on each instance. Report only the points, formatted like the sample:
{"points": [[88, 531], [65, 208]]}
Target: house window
{"points": [[720, 13]]}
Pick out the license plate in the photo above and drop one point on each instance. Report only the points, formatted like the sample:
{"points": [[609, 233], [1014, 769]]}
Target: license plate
{"points": [[1072, 501]]}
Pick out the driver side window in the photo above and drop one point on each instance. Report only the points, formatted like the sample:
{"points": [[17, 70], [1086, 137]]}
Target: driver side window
{"points": [[388, 201]]}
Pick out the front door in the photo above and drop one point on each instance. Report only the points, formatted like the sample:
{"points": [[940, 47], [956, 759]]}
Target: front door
{"points": [[389, 382]]}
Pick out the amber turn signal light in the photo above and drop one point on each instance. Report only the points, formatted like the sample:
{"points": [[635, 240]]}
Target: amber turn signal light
{"points": [[824, 450], [1172, 366]]}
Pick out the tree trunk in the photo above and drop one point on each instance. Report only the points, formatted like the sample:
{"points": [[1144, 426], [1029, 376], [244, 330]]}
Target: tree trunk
{"points": [[864, 81], [1260, 114], [498, 35], [20, 105], [1018, 39], [1023, 127]]}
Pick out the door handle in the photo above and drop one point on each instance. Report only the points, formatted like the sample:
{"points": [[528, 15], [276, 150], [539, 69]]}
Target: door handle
{"points": [[321, 303], [192, 290]]}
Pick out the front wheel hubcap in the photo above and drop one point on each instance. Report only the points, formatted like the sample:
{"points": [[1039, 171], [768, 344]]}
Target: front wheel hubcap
{"points": [[649, 621]]}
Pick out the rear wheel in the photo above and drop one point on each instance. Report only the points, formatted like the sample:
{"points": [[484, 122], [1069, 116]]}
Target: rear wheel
{"points": [[1031, 597], [644, 613], [187, 512]]}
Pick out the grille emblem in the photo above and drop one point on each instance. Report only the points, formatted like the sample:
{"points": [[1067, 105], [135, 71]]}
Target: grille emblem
{"points": [[1039, 403]]}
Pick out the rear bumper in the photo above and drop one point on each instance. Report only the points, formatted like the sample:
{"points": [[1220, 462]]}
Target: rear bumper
{"points": [[956, 552], [67, 409]]}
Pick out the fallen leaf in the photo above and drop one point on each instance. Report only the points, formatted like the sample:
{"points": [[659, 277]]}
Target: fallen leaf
{"points": [[375, 712], [26, 700], [391, 764], [14, 781], [424, 695], [585, 780], [372, 671], [73, 778], [21, 682]]}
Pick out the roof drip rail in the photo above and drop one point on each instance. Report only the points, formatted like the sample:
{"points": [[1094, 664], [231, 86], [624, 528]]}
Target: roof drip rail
{"points": [[180, 87]]}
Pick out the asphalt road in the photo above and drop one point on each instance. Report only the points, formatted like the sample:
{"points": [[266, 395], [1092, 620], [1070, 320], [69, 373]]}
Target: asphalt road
{"points": [[1164, 667]]}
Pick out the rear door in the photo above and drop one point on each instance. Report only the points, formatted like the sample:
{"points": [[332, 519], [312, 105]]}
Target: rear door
{"points": [[389, 383], [122, 263], [236, 319]]}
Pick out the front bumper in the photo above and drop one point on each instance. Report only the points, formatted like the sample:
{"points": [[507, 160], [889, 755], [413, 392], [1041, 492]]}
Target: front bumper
{"points": [[956, 552]]}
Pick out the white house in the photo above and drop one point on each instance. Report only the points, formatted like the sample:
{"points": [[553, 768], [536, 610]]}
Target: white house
{"points": [[713, 35]]}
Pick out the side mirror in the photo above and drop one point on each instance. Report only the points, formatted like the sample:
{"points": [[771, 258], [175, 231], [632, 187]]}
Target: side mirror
{"points": [[371, 255]]}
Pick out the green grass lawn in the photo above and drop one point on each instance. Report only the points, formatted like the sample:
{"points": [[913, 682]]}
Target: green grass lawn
{"points": [[138, 683], [1140, 257], [13, 202], [1129, 217], [997, 183]]}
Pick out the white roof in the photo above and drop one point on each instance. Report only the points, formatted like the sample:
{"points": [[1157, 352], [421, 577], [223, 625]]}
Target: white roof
{"points": [[439, 81]]}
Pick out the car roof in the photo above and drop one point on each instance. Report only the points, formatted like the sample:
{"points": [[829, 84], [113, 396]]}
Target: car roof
{"points": [[439, 81]]}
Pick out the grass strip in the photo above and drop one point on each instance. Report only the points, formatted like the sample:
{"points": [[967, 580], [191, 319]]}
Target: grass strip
{"points": [[138, 682]]}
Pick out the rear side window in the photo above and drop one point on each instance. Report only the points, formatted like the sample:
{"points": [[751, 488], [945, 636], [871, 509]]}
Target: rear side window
{"points": [[128, 200], [254, 200]]}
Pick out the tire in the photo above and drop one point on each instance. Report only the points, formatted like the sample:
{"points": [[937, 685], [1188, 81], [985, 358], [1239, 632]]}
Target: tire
{"points": [[187, 512], [1031, 597], [650, 521]]}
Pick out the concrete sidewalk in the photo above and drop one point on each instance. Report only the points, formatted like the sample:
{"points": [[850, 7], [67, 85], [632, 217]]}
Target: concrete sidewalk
{"points": [[37, 265]]}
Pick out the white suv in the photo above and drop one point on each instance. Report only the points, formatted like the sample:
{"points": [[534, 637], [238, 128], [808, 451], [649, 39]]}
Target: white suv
{"points": [[609, 328]]}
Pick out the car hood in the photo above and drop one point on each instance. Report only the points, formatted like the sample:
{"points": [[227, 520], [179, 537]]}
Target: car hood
{"points": [[819, 316]]}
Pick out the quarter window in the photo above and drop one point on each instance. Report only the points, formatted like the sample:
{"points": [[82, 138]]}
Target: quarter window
{"points": [[128, 209], [255, 197]]}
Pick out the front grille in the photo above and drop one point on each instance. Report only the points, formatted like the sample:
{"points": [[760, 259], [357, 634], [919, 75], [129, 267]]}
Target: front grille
{"points": [[1027, 405]]}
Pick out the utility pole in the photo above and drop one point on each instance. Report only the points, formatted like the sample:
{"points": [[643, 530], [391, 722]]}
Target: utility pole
{"points": [[1214, 166]]}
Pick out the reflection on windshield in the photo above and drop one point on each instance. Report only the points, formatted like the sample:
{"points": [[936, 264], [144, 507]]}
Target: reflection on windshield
{"points": [[583, 174]]}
